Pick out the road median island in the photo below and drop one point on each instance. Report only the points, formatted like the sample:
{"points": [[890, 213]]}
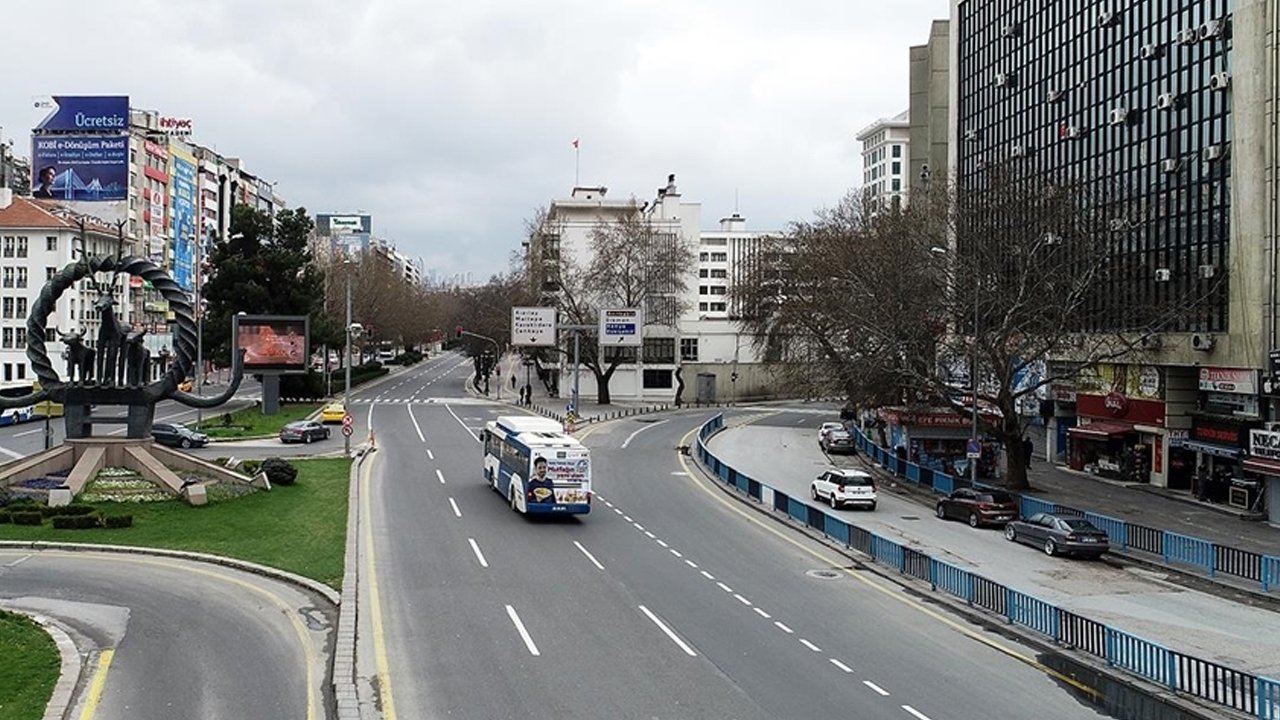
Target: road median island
{"points": [[1200, 687]]}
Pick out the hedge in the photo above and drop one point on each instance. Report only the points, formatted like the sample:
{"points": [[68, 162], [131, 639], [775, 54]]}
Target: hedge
{"points": [[26, 517]]}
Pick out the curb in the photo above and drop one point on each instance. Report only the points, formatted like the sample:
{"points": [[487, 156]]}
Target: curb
{"points": [[344, 647], [992, 623], [71, 667]]}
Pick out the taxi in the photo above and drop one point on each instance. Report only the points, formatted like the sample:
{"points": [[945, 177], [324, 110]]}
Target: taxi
{"points": [[333, 413]]}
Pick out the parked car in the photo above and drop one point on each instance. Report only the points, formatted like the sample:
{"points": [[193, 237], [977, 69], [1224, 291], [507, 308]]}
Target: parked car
{"points": [[187, 385], [303, 431], [178, 435], [333, 412], [838, 441], [826, 428], [978, 507], [841, 487], [1059, 534]]}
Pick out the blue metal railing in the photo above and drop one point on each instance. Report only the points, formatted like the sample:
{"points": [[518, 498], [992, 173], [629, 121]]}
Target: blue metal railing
{"points": [[1204, 679]]}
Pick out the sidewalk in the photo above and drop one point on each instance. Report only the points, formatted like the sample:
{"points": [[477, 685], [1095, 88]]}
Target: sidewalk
{"points": [[558, 407]]}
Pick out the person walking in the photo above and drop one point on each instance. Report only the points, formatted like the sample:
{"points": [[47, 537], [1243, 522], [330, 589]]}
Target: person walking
{"points": [[1028, 449], [513, 381]]}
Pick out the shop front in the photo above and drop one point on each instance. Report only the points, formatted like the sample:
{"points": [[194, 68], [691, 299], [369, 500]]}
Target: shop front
{"points": [[1262, 468], [935, 439], [1220, 443], [1121, 431]]}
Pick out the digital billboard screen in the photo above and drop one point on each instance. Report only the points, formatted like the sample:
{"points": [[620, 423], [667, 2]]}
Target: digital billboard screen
{"points": [[279, 343]]}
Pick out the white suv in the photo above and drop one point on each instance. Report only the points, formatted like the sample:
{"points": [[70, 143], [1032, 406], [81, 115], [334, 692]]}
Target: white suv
{"points": [[845, 487]]}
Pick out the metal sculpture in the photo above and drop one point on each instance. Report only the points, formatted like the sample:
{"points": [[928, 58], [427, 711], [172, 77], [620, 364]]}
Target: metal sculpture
{"points": [[80, 357]]}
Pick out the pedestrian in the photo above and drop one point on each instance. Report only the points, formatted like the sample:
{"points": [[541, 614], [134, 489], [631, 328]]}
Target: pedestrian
{"points": [[1028, 449], [513, 381], [1202, 482]]}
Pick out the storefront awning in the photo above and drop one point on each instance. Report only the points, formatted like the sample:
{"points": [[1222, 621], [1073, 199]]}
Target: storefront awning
{"points": [[1266, 467], [1210, 449], [1101, 430]]}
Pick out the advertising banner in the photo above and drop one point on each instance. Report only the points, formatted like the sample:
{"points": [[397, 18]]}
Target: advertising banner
{"points": [[85, 113], [175, 126], [1133, 381], [90, 168], [349, 245], [182, 217]]}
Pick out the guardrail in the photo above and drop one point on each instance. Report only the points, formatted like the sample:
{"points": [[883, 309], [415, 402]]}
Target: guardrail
{"points": [[1179, 672], [1172, 548]]}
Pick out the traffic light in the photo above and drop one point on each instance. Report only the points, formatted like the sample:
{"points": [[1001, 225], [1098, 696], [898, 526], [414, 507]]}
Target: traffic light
{"points": [[457, 333]]}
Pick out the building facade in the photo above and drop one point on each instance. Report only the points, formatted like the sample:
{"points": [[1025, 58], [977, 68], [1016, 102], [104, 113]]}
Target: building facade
{"points": [[1166, 106], [929, 114], [886, 157]]}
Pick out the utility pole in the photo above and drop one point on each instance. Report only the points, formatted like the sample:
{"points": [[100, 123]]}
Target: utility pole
{"points": [[197, 282], [346, 361]]}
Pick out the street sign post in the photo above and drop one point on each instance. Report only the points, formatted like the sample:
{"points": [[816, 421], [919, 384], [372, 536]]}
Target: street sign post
{"points": [[533, 326], [347, 430], [972, 449], [621, 327]]}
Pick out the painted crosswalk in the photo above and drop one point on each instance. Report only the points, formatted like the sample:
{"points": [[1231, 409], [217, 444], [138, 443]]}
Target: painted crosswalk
{"points": [[422, 401]]}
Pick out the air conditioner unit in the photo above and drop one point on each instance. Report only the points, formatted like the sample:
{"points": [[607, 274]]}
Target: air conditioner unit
{"points": [[1202, 342], [1170, 165], [1163, 274], [1166, 101], [1119, 116], [1119, 224], [1072, 131], [1214, 152], [1188, 36], [1150, 51], [1213, 29], [1011, 30], [1220, 81], [1052, 95], [1107, 18], [1207, 271], [970, 135], [1004, 79]]}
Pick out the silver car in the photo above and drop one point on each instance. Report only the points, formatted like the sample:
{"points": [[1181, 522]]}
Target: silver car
{"points": [[1059, 534]]}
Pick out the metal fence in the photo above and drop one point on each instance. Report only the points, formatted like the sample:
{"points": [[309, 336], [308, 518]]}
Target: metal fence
{"points": [[1179, 672], [1173, 548]]}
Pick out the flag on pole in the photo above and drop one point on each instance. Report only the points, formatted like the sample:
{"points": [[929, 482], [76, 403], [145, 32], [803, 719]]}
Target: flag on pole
{"points": [[575, 143]]}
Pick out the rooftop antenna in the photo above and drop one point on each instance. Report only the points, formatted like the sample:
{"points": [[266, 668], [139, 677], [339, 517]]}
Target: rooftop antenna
{"points": [[735, 201]]}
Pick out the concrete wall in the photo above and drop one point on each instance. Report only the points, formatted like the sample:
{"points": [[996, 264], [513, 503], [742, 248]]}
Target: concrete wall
{"points": [[930, 105]]}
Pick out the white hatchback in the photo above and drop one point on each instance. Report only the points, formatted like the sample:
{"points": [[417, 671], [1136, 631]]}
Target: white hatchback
{"points": [[826, 428], [841, 488]]}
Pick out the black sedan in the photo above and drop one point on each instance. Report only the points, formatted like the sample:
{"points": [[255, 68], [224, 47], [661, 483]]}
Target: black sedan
{"points": [[178, 435], [1059, 534], [303, 431]]}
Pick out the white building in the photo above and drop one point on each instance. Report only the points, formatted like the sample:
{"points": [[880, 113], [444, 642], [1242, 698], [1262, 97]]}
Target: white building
{"points": [[886, 156], [36, 241]]}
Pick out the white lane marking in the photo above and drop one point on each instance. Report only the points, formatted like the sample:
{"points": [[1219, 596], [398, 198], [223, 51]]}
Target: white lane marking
{"points": [[663, 627], [11, 453], [810, 645], [524, 634], [464, 425], [369, 422], [429, 455], [440, 475], [840, 665], [632, 436], [606, 502], [783, 628], [691, 564], [663, 543], [742, 600], [616, 510], [877, 688], [639, 527], [627, 518], [915, 712], [762, 613], [707, 575], [19, 561], [454, 505], [651, 535], [590, 557], [724, 587], [676, 552], [415, 423], [29, 432], [680, 472], [479, 555]]}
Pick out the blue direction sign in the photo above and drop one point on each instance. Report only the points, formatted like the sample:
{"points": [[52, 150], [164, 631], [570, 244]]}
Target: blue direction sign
{"points": [[972, 449], [621, 326]]}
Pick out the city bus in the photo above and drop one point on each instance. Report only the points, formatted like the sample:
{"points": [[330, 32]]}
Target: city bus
{"points": [[536, 467], [13, 416]]}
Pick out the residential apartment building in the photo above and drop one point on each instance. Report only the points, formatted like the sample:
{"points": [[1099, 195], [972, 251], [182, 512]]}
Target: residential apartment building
{"points": [[1167, 103], [886, 156]]}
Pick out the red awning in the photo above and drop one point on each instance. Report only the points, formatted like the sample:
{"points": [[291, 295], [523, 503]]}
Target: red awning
{"points": [[1266, 467], [1101, 430]]}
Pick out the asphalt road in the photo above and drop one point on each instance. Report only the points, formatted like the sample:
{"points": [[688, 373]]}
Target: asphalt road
{"points": [[780, 449], [188, 640], [668, 601]]}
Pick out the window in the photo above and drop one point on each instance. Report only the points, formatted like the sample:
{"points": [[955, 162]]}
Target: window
{"points": [[8, 277], [719, 273], [702, 273], [22, 307], [689, 349], [702, 289], [6, 308], [660, 350], [49, 272], [897, 184], [897, 151], [51, 243], [6, 341], [8, 246], [719, 257], [8, 367], [703, 256], [656, 379], [22, 246], [22, 277], [702, 307], [897, 168], [717, 307], [718, 290], [22, 370]]}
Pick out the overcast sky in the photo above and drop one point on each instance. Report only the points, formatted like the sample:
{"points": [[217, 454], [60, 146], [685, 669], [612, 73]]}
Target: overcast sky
{"points": [[452, 122]]}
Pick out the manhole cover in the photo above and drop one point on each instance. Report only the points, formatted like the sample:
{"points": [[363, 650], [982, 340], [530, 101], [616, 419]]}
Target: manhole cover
{"points": [[823, 574], [910, 517], [650, 420]]}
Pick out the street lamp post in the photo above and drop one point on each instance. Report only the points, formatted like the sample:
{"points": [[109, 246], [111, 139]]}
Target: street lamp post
{"points": [[346, 362]]}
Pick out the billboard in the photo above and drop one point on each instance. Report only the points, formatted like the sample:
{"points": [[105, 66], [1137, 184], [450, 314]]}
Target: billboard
{"points": [[329, 224], [83, 113], [273, 343], [182, 216], [350, 246], [93, 168]]}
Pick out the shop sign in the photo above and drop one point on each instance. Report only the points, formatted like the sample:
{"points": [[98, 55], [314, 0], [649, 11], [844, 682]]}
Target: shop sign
{"points": [[1229, 403], [1228, 380], [1116, 404], [1264, 444], [1178, 437], [1123, 407], [1064, 393], [930, 420], [1219, 432]]}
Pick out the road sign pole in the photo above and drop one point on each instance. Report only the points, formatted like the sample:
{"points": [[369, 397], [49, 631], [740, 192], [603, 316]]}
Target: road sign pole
{"points": [[576, 409]]}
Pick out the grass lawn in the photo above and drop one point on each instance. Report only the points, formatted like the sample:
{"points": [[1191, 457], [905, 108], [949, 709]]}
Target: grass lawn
{"points": [[250, 421], [300, 528], [29, 664]]}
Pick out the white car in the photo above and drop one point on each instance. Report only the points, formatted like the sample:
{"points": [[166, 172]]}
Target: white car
{"points": [[841, 488], [826, 428]]}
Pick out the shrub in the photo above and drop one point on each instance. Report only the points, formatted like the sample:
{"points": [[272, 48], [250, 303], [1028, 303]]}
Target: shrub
{"points": [[117, 521], [26, 517], [5, 517], [279, 471], [67, 510], [75, 522]]}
